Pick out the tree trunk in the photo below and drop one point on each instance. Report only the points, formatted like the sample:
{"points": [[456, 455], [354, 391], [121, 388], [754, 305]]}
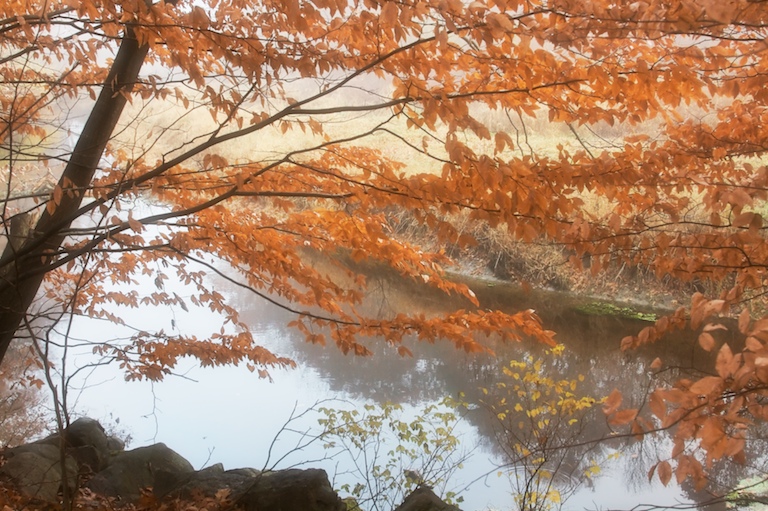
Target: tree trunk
{"points": [[24, 265]]}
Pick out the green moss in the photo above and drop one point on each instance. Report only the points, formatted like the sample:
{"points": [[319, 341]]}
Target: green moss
{"points": [[610, 309]]}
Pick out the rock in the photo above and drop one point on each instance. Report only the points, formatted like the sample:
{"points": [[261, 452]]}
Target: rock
{"points": [[35, 470], [209, 482], [130, 471], [292, 490], [250, 472], [110, 471], [115, 445], [215, 469], [285, 490], [89, 444], [424, 499], [177, 483], [85, 431]]}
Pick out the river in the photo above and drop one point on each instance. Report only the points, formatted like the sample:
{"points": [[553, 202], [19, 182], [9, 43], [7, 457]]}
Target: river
{"points": [[229, 415]]}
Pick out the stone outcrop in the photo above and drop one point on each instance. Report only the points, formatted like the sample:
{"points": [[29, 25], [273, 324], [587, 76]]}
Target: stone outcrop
{"points": [[90, 445], [36, 470], [146, 467], [278, 491], [424, 499], [93, 460]]}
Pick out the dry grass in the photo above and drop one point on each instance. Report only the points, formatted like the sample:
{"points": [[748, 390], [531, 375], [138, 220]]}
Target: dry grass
{"points": [[540, 264]]}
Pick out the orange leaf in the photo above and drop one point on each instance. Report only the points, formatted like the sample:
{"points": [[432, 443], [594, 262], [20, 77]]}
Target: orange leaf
{"points": [[753, 344], [760, 326], [623, 417], [57, 195], [744, 319], [711, 327], [389, 13], [714, 307], [134, 224], [706, 385], [743, 219], [697, 310], [502, 139], [664, 470], [725, 365], [706, 341], [612, 402], [683, 469], [637, 430], [678, 447]]}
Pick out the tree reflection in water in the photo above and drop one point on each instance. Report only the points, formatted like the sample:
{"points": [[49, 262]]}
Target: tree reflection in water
{"points": [[591, 351]]}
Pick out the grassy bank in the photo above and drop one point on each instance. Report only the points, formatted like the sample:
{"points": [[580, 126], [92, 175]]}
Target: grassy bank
{"points": [[540, 264]]}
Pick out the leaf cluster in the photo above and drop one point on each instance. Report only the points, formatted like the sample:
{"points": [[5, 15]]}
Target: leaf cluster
{"points": [[394, 452]]}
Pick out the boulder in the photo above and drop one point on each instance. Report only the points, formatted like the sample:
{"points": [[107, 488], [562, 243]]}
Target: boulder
{"points": [[89, 444], [207, 483], [284, 490], [35, 469], [250, 472], [130, 471], [291, 490], [424, 499], [115, 444]]}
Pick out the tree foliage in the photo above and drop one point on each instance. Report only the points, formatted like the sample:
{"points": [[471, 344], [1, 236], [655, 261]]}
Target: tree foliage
{"points": [[540, 420], [394, 452], [235, 137]]}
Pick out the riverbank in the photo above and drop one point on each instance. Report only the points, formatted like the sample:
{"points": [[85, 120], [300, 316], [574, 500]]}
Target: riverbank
{"points": [[497, 256]]}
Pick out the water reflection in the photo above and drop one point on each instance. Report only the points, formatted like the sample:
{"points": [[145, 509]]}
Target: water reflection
{"points": [[228, 415]]}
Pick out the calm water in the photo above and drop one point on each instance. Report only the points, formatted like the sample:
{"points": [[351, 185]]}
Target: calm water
{"points": [[229, 415]]}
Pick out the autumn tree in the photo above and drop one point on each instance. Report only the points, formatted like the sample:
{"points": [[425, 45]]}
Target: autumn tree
{"points": [[236, 137]]}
